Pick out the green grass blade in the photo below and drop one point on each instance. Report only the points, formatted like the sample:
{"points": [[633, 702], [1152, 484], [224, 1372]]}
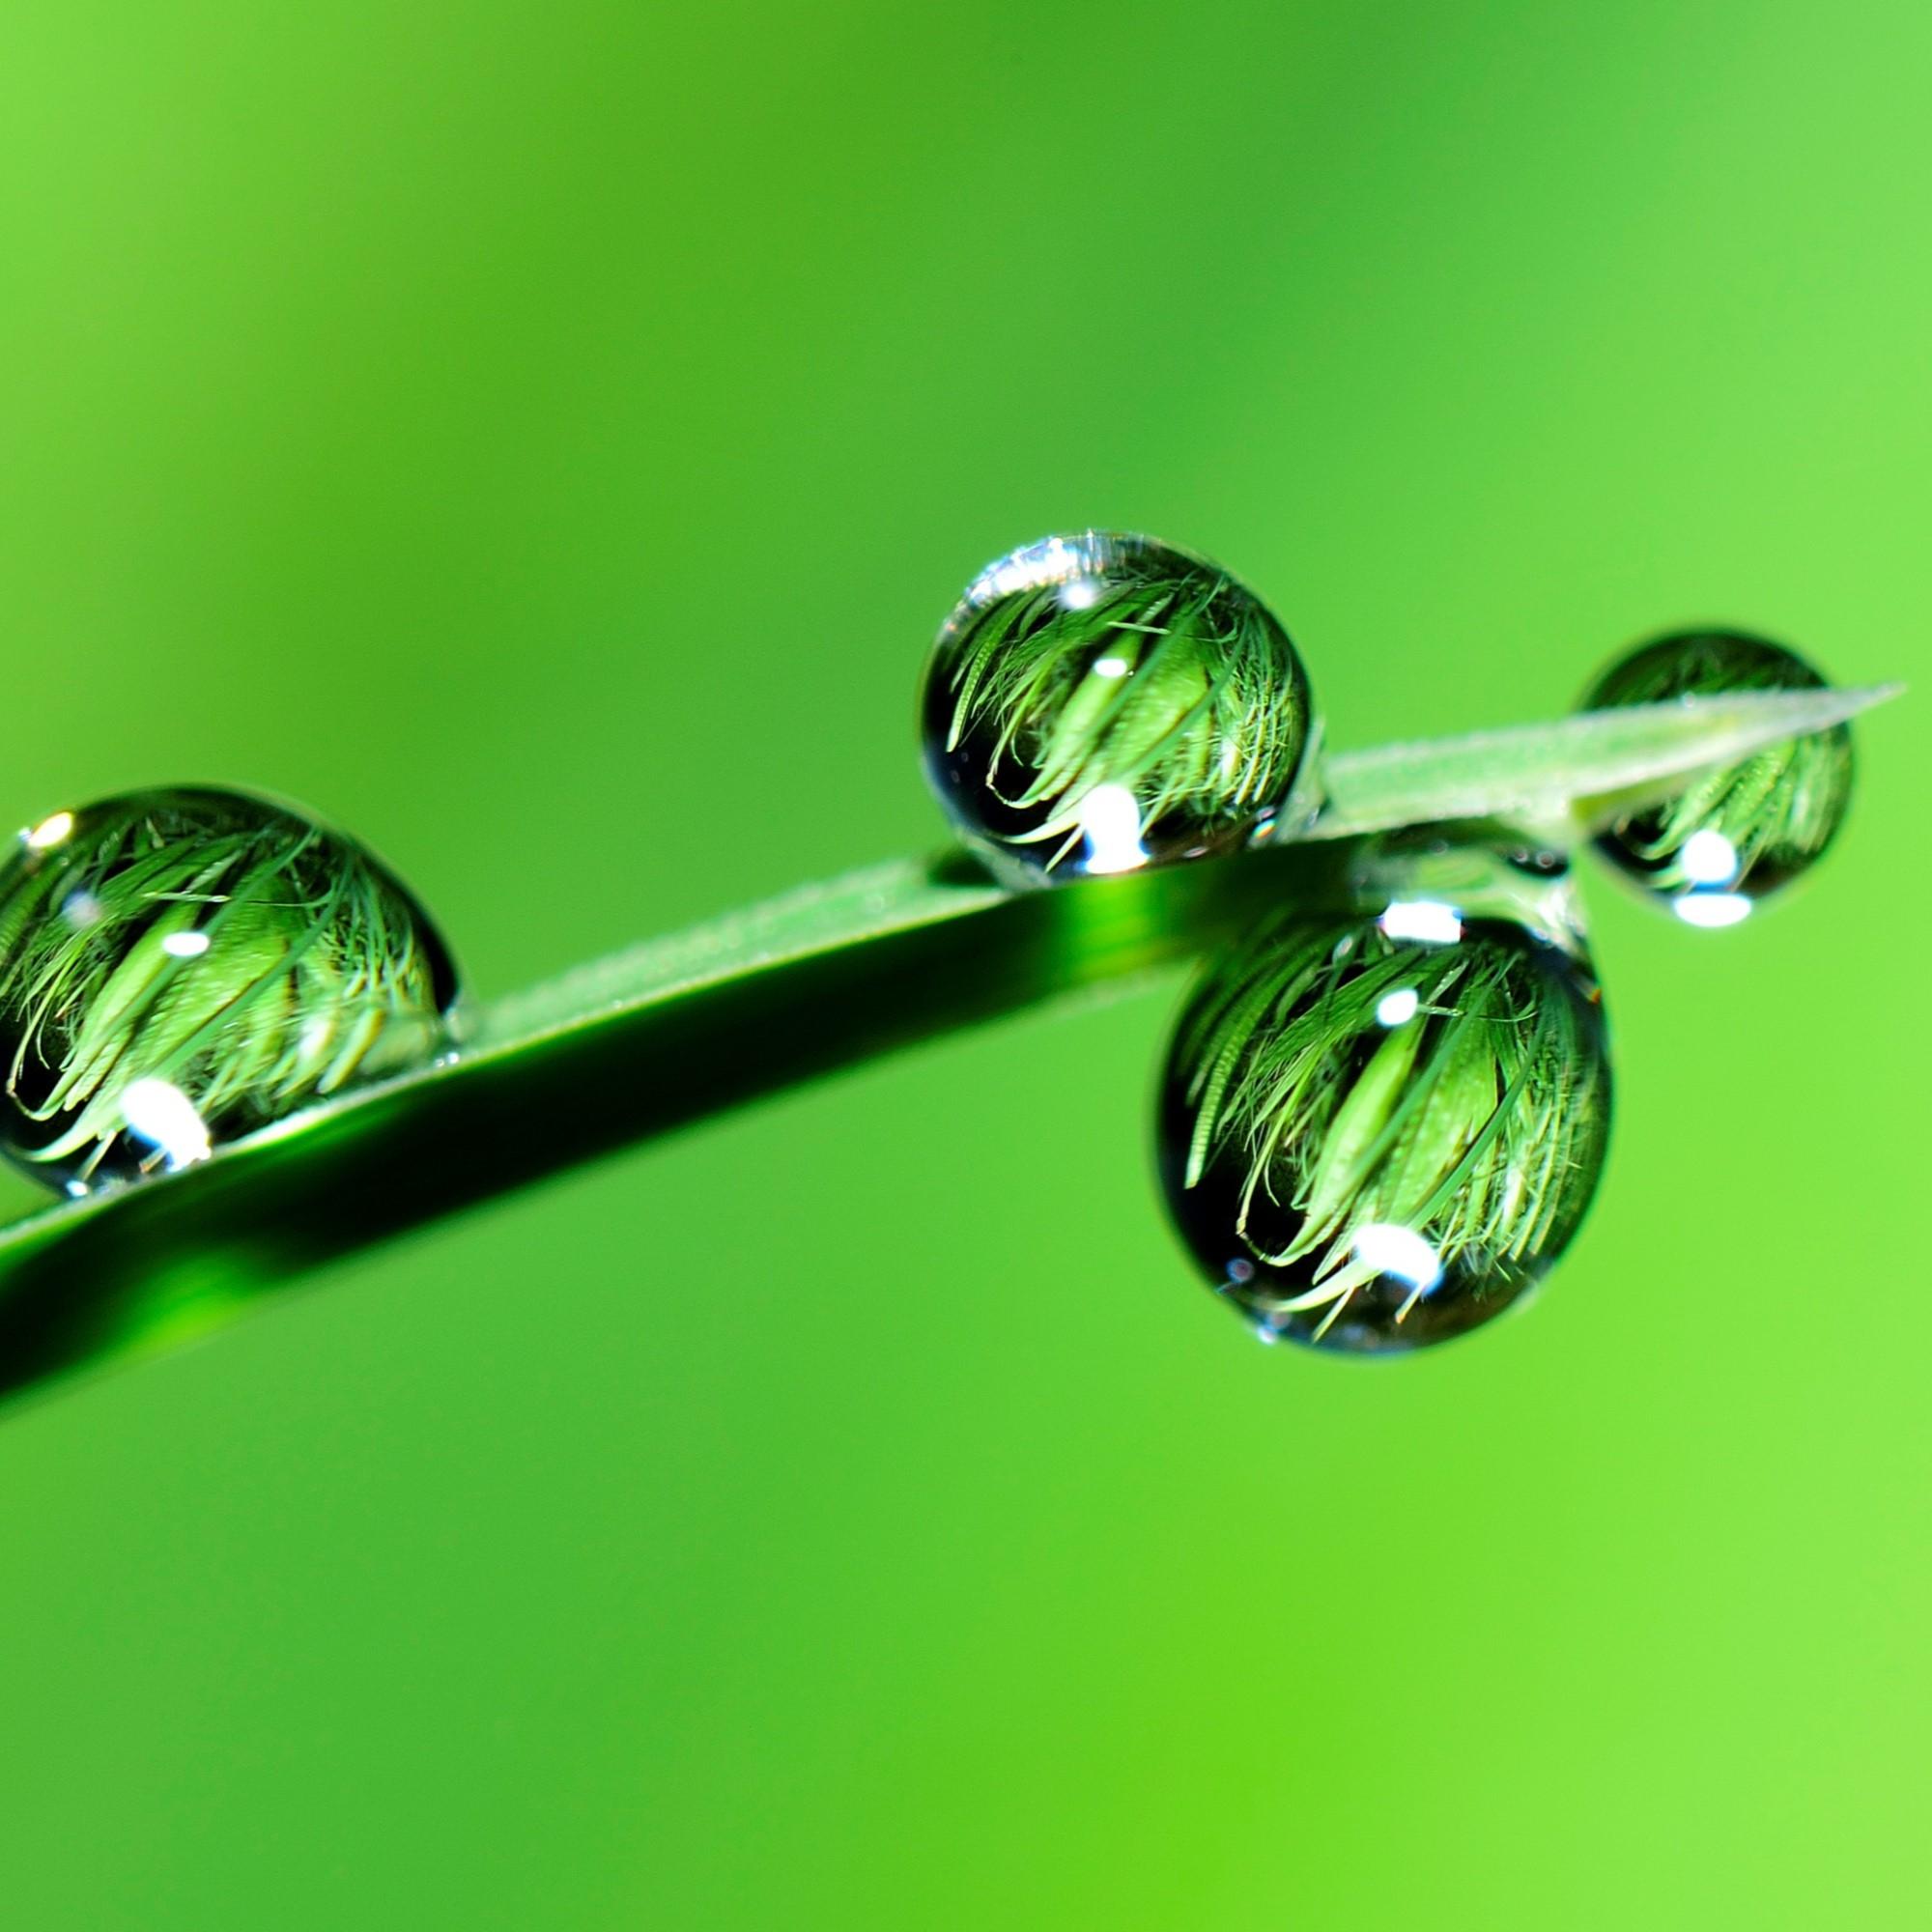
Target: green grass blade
{"points": [[1538, 771], [686, 1027]]}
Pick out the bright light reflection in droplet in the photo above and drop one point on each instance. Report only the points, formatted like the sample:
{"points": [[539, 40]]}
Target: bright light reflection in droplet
{"points": [[1110, 816], [1398, 1009], [81, 909], [1427, 920], [186, 945], [164, 1116], [1709, 859], [1711, 910], [1082, 593], [1110, 667], [1050, 562], [51, 831], [1393, 1250]]}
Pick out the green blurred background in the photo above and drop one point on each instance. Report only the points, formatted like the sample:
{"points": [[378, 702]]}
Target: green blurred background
{"points": [[544, 438]]}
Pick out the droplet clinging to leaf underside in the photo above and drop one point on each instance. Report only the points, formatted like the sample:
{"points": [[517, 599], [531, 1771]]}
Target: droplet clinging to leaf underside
{"points": [[1732, 835], [1377, 1132]]}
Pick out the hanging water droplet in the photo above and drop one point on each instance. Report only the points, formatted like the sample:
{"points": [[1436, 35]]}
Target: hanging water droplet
{"points": [[180, 967], [1379, 1131], [1430, 874], [1737, 833], [1100, 702]]}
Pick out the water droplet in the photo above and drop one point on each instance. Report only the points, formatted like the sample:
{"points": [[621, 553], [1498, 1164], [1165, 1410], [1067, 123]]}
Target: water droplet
{"points": [[1361, 1174], [1100, 702], [1421, 881], [1737, 833], [180, 967]]}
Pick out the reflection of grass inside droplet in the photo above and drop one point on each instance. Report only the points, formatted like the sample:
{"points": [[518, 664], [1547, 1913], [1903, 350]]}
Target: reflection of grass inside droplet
{"points": [[1343, 1080], [1164, 679], [1749, 825], [215, 951]]}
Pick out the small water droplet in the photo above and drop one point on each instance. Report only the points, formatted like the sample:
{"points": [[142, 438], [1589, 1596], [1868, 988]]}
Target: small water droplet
{"points": [[1733, 835], [183, 966], [1368, 1187], [1422, 880], [1100, 702]]}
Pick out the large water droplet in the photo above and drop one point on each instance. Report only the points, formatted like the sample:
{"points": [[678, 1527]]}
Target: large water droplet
{"points": [[1379, 1131], [1739, 833], [180, 967], [1099, 702]]}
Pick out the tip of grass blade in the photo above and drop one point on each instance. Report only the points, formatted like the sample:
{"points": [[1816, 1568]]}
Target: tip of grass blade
{"points": [[1541, 771]]}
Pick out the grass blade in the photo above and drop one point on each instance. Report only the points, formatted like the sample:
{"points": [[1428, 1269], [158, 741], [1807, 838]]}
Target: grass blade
{"points": [[1539, 771], [686, 1027]]}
